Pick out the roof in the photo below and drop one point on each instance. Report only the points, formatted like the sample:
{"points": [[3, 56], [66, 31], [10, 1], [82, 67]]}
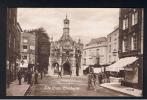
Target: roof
{"points": [[97, 40]]}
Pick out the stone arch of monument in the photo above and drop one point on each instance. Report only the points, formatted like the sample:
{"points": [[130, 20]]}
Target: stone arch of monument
{"points": [[67, 68], [55, 67]]}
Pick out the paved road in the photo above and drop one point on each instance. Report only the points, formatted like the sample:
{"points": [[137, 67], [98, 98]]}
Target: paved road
{"points": [[68, 86]]}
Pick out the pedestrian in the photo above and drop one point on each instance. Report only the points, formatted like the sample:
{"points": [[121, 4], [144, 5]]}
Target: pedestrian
{"points": [[29, 76], [36, 77], [8, 78], [91, 78], [19, 74], [108, 77], [100, 78], [25, 76], [59, 72]]}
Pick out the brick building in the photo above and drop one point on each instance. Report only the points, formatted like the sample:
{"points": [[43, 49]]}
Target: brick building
{"points": [[12, 42], [131, 44]]}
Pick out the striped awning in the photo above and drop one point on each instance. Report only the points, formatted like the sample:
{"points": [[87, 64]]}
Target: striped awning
{"points": [[120, 64]]}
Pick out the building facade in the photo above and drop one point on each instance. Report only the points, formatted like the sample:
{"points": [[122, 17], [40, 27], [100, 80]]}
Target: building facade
{"points": [[27, 49], [12, 43], [131, 44], [95, 52], [112, 46], [65, 54]]}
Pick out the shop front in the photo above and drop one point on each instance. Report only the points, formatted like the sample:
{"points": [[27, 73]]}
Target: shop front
{"points": [[118, 67], [133, 75]]}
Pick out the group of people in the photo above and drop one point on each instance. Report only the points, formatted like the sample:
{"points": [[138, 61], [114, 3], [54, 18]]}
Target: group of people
{"points": [[93, 78], [28, 76]]}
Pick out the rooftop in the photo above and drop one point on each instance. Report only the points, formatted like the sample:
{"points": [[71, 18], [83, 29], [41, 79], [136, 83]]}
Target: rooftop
{"points": [[97, 40]]}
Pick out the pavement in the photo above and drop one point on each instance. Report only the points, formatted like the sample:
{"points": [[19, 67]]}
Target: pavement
{"points": [[68, 86], [17, 90], [116, 86]]}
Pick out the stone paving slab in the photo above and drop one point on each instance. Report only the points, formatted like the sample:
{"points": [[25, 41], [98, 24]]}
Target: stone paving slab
{"points": [[127, 90], [17, 90]]}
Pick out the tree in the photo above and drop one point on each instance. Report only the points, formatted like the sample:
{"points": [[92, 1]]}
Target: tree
{"points": [[42, 48]]}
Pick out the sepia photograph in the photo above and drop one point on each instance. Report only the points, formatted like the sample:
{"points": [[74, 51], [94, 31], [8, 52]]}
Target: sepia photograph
{"points": [[75, 52]]}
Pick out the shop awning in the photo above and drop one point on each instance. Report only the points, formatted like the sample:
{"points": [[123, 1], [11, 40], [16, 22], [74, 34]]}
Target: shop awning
{"points": [[120, 64]]}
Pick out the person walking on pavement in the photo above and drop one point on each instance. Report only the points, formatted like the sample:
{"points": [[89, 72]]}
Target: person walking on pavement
{"points": [[25, 76], [19, 76], [59, 72], [36, 77], [29, 77], [108, 77]]}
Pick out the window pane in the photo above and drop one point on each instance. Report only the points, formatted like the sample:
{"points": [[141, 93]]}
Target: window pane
{"points": [[132, 19], [24, 46], [32, 47], [136, 18], [25, 40]]}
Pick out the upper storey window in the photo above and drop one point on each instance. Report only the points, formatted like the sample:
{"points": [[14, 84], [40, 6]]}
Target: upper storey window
{"points": [[125, 23], [134, 17]]}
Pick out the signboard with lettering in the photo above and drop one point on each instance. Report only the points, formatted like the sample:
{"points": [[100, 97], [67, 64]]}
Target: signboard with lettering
{"points": [[24, 63]]}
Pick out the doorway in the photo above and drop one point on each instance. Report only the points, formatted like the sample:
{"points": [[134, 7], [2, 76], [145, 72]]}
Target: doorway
{"points": [[66, 68]]}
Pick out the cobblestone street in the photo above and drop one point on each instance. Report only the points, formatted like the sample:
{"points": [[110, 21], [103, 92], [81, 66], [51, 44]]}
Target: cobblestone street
{"points": [[67, 86]]}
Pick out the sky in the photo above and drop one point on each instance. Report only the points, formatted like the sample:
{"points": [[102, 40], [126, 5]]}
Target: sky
{"points": [[85, 23]]}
